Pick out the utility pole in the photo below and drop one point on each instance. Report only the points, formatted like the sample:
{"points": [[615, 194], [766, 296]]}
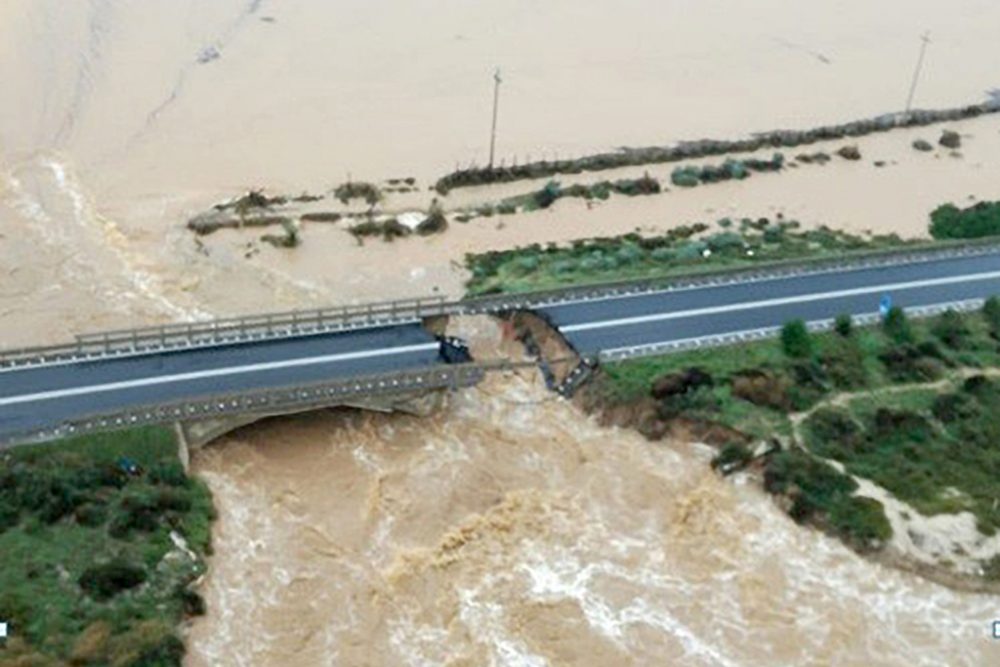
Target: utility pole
{"points": [[925, 40], [496, 106]]}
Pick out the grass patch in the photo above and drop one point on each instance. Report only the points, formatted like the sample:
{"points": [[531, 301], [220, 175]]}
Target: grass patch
{"points": [[938, 451], [684, 250], [88, 571]]}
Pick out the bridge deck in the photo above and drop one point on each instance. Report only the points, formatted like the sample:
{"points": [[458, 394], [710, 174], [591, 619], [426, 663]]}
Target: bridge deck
{"points": [[32, 398]]}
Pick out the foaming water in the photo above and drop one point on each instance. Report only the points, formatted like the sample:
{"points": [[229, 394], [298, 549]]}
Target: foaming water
{"points": [[512, 530]]}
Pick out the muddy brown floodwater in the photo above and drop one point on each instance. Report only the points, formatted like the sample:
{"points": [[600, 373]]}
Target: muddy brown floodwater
{"points": [[508, 529]]}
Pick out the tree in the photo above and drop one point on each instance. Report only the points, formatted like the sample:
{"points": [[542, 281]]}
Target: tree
{"points": [[843, 325], [897, 326], [796, 339]]}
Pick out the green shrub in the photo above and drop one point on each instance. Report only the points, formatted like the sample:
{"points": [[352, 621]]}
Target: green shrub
{"points": [[861, 521], [796, 340], [951, 328], [843, 325], [814, 486], [991, 313], [685, 177], [663, 254], [977, 221], [725, 241], [897, 326], [103, 582], [732, 457], [547, 195], [170, 473]]}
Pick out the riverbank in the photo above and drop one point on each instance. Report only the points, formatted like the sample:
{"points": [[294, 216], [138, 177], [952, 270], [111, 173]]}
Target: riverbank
{"points": [[878, 436], [103, 539]]}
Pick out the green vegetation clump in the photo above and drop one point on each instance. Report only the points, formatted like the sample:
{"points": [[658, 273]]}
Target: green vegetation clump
{"points": [[939, 452], [821, 495], [683, 250], [796, 340], [843, 325], [977, 221], [732, 457], [89, 573]]}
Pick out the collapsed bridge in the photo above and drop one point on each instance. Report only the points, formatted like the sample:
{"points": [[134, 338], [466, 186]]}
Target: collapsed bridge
{"points": [[210, 377]]}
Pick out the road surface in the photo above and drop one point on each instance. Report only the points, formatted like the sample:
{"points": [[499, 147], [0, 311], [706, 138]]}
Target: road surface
{"points": [[615, 324]]}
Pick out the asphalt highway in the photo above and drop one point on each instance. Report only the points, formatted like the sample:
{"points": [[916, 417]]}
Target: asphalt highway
{"points": [[617, 323]]}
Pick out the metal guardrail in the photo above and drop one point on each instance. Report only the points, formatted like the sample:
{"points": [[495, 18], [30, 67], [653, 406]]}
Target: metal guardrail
{"points": [[272, 401], [225, 331], [326, 320]]}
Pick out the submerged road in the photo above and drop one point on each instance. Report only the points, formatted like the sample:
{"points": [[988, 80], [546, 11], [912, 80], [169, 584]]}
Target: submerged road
{"points": [[47, 395]]}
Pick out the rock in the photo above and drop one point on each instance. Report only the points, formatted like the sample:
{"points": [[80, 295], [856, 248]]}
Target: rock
{"points": [[849, 153], [923, 145], [879, 163], [950, 139]]}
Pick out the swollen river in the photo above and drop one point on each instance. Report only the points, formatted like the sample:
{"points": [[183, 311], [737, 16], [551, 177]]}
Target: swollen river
{"points": [[510, 529]]}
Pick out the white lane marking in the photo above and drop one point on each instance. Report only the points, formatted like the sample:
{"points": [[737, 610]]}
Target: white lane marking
{"points": [[735, 281], [680, 314], [215, 372]]}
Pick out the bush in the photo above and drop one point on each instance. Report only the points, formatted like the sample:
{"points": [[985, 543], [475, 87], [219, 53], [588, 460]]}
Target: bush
{"points": [[977, 221], [547, 195], [685, 177], [732, 457], [843, 325], [103, 582], [170, 473], [991, 313], [435, 222], [796, 340], [724, 241], [345, 192], [951, 328], [897, 326], [861, 521], [844, 364], [762, 388]]}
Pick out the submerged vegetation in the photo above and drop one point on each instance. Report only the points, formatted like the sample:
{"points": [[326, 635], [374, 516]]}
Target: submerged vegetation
{"points": [[100, 539]]}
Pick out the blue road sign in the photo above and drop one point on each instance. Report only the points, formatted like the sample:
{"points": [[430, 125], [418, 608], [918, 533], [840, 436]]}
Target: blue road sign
{"points": [[885, 305]]}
